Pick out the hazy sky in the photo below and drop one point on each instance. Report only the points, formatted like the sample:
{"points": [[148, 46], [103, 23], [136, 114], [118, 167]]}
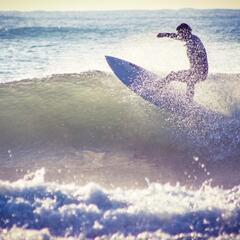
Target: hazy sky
{"points": [[114, 4]]}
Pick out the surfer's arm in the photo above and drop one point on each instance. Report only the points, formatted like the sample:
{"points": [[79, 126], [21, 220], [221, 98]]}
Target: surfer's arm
{"points": [[169, 35]]}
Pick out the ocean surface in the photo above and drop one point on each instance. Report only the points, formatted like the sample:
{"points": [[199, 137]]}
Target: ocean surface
{"points": [[36, 44], [83, 157]]}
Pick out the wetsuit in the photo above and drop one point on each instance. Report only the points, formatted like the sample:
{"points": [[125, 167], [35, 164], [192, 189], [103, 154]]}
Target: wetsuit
{"points": [[198, 63]]}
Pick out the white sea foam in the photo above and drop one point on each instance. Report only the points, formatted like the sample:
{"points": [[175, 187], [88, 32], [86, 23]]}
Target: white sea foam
{"points": [[31, 206]]}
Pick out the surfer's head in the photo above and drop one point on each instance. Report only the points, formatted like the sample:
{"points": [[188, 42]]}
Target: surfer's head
{"points": [[184, 30]]}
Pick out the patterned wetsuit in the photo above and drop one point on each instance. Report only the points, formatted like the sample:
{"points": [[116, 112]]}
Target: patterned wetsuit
{"points": [[198, 64]]}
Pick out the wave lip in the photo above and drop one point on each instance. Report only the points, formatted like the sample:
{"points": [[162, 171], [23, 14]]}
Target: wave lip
{"points": [[92, 211]]}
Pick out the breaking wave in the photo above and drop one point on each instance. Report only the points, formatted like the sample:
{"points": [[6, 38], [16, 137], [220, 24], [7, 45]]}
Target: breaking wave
{"points": [[32, 207], [90, 119]]}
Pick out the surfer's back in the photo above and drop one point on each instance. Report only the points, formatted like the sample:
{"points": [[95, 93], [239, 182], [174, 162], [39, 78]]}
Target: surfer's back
{"points": [[197, 55]]}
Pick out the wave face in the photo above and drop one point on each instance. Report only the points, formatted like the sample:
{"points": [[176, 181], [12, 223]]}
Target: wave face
{"points": [[93, 109], [80, 121], [32, 207]]}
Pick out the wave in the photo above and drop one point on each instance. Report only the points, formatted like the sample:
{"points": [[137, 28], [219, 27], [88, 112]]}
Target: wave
{"points": [[30, 32], [92, 107], [62, 116], [34, 207]]}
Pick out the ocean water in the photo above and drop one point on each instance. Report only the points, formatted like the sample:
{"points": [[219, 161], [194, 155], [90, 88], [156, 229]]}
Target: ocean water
{"points": [[35, 209], [42, 43], [83, 157]]}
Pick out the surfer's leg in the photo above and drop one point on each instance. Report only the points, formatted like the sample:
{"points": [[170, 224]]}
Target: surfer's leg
{"points": [[190, 91], [181, 76], [185, 76], [188, 77], [172, 76], [192, 80]]}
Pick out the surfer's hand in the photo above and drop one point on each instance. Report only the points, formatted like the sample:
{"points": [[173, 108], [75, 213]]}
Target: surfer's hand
{"points": [[160, 35]]}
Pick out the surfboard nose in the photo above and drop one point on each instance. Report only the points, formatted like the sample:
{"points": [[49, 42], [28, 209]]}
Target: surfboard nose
{"points": [[111, 60], [109, 57]]}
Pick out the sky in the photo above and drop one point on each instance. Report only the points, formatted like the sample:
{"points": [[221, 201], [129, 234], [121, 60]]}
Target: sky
{"points": [[64, 5]]}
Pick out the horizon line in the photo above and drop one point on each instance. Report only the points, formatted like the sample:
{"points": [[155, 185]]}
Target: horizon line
{"points": [[111, 10]]}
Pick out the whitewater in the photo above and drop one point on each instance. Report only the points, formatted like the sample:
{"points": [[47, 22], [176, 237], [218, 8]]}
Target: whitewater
{"points": [[83, 157], [87, 212]]}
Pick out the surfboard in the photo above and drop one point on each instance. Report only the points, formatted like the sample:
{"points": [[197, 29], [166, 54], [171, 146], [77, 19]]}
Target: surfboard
{"points": [[150, 87]]}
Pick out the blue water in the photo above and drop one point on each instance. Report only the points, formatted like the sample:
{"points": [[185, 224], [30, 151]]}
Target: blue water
{"points": [[83, 157], [37, 44]]}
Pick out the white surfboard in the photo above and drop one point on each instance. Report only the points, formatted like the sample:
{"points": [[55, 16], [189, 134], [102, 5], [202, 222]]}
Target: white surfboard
{"points": [[143, 83]]}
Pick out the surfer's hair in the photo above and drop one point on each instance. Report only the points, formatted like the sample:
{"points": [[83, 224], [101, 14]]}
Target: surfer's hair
{"points": [[184, 26]]}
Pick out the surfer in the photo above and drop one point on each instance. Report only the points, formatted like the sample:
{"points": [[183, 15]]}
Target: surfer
{"points": [[197, 57]]}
